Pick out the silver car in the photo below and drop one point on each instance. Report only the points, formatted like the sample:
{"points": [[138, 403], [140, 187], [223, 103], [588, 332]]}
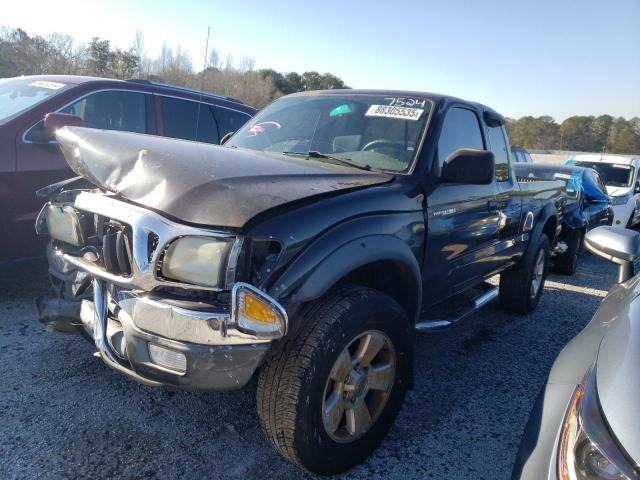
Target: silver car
{"points": [[586, 422]]}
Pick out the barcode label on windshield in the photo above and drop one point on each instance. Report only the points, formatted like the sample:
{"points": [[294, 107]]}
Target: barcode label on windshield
{"points": [[49, 85], [402, 113]]}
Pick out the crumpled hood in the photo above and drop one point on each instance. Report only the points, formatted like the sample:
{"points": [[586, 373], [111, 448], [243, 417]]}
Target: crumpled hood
{"points": [[618, 375], [200, 183]]}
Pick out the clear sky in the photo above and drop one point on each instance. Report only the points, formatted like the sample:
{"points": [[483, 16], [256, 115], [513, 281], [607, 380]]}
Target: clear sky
{"points": [[536, 57]]}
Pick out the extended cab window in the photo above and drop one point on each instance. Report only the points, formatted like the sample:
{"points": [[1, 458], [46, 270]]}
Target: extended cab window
{"points": [[461, 129], [180, 120], [111, 110], [500, 152]]}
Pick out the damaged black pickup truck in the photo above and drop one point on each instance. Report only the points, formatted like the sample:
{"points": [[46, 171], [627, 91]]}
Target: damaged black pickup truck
{"points": [[307, 250]]}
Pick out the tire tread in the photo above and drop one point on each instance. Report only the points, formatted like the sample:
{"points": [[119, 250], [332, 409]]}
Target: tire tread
{"points": [[282, 377]]}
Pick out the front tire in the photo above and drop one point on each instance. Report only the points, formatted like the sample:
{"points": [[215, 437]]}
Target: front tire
{"points": [[567, 262], [328, 396], [521, 286]]}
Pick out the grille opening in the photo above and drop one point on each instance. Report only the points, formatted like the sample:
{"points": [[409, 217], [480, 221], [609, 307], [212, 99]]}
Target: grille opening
{"points": [[152, 244], [117, 248]]}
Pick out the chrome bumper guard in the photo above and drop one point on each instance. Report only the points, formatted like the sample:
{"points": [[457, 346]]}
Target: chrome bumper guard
{"points": [[100, 336], [148, 321]]}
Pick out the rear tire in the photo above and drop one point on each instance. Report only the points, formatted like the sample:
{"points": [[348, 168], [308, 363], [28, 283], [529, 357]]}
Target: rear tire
{"points": [[521, 286], [567, 262], [312, 390]]}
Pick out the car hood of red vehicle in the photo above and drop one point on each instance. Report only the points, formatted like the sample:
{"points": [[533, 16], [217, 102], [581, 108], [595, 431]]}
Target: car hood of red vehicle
{"points": [[199, 183]]}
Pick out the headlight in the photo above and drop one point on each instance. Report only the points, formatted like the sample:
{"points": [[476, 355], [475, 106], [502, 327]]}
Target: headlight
{"points": [[198, 260], [587, 451], [621, 200], [63, 223]]}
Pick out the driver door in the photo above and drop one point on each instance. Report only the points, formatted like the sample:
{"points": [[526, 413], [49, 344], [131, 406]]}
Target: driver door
{"points": [[462, 219]]}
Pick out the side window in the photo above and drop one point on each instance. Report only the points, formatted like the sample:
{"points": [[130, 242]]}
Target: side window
{"points": [[230, 120], [528, 157], [500, 152], [461, 129], [599, 182], [111, 110], [180, 119], [207, 125]]}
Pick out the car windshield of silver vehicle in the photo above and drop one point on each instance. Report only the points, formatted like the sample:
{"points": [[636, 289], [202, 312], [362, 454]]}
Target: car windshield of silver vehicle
{"points": [[612, 174], [19, 94], [365, 131]]}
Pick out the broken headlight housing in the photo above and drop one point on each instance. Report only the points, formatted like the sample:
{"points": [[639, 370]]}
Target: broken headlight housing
{"points": [[587, 449], [63, 223], [197, 260]]}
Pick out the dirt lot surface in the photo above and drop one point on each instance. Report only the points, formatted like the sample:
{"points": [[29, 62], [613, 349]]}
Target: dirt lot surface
{"points": [[64, 414]]}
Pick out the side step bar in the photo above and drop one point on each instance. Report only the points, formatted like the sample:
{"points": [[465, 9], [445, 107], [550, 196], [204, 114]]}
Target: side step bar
{"points": [[474, 305]]}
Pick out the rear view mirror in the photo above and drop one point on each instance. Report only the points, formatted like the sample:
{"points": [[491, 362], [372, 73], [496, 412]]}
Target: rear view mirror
{"points": [[616, 244], [468, 166]]}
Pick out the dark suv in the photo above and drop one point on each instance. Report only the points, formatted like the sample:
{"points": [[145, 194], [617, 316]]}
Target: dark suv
{"points": [[30, 157]]}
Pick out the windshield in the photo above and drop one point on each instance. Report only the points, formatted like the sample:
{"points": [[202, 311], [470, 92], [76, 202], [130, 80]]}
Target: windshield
{"points": [[368, 130], [612, 174], [19, 94]]}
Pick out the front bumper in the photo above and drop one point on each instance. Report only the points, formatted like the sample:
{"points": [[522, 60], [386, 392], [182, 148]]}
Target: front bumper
{"points": [[215, 355], [537, 457], [136, 320]]}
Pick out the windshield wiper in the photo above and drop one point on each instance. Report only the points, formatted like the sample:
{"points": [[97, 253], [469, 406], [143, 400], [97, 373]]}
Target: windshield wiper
{"points": [[343, 161]]}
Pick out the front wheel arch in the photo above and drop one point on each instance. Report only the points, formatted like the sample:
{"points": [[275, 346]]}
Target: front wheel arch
{"points": [[382, 262]]}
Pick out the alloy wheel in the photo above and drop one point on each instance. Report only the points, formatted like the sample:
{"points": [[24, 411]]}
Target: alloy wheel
{"points": [[358, 386], [538, 274]]}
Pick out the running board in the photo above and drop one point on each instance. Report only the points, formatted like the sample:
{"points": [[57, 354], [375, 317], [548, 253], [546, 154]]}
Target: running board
{"points": [[471, 305]]}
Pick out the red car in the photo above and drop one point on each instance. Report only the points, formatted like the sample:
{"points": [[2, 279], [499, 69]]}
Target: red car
{"points": [[30, 157]]}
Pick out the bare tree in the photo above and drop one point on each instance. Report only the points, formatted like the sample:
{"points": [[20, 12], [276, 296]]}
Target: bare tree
{"points": [[21, 54], [137, 48], [246, 64], [214, 60]]}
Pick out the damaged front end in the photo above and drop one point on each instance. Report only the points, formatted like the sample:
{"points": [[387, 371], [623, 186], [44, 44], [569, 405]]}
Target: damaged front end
{"points": [[166, 305], [166, 298]]}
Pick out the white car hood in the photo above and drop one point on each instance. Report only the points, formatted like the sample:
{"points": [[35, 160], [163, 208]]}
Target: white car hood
{"points": [[618, 191]]}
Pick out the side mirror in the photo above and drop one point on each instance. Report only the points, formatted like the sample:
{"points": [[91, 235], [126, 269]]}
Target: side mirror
{"points": [[616, 244], [468, 166], [44, 132], [226, 137], [637, 189], [54, 121]]}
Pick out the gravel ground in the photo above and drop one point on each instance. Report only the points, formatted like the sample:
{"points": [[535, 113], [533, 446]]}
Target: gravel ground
{"points": [[64, 414]]}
